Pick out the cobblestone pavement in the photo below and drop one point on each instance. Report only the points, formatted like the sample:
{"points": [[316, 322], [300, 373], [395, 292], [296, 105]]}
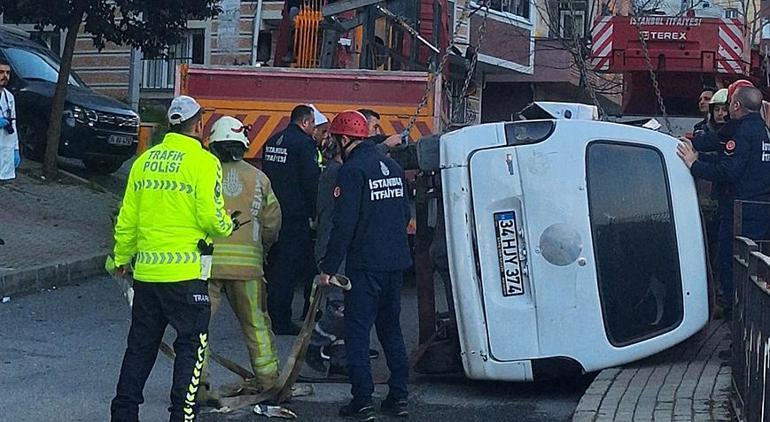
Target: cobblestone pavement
{"points": [[42, 222], [689, 382]]}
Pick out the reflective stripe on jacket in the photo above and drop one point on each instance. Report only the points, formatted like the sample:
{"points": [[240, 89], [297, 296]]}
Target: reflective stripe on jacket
{"points": [[241, 256], [173, 199]]}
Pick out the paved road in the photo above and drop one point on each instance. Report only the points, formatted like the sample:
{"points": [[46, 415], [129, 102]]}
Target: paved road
{"points": [[60, 354]]}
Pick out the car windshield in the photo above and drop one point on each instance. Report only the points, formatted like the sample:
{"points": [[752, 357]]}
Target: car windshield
{"points": [[36, 66]]}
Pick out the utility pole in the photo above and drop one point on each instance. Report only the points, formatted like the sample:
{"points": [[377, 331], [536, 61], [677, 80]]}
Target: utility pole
{"points": [[134, 79]]}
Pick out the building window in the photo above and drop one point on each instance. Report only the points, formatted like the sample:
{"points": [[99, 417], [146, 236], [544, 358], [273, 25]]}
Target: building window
{"points": [[572, 24], [732, 13], [569, 16], [514, 7], [161, 73], [634, 241]]}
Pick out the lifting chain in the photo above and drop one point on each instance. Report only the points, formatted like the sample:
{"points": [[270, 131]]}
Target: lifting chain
{"points": [[432, 76], [648, 62], [482, 32], [581, 62]]}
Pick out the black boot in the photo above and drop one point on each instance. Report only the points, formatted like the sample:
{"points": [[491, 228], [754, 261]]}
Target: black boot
{"points": [[360, 413]]}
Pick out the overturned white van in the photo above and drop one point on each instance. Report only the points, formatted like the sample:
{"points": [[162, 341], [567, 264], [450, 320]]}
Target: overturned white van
{"points": [[569, 241]]}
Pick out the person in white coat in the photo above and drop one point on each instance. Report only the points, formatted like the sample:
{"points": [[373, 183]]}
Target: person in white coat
{"points": [[9, 137]]}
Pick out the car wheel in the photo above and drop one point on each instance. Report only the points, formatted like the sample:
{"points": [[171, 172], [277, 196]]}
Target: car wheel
{"points": [[32, 138], [103, 165]]}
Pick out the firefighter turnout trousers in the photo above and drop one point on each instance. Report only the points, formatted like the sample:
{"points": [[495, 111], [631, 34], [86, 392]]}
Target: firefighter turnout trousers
{"points": [[184, 305], [248, 301]]}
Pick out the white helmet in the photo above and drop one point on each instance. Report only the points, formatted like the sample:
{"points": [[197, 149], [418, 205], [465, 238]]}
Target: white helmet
{"points": [[229, 129]]}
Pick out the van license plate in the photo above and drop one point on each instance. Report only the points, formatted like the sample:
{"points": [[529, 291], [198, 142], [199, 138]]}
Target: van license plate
{"points": [[508, 253], [120, 140]]}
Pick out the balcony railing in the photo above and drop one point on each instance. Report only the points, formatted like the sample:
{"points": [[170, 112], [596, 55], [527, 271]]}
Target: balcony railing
{"points": [[160, 74], [751, 320]]}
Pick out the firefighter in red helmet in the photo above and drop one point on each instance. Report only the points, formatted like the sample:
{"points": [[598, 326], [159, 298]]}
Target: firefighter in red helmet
{"points": [[371, 213]]}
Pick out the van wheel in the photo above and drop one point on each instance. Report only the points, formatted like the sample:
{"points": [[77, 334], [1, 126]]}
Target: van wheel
{"points": [[103, 165], [32, 138]]}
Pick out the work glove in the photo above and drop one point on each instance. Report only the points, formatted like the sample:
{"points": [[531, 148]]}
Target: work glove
{"points": [[4, 122], [16, 158]]}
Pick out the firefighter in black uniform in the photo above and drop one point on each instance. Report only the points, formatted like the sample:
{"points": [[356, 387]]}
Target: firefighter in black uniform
{"points": [[743, 164], [371, 214], [289, 160]]}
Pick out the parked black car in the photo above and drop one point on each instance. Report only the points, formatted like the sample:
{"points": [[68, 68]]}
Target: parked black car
{"points": [[97, 129]]}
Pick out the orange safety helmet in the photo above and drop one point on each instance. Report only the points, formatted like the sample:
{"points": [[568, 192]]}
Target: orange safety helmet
{"points": [[350, 123], [740, 83]]}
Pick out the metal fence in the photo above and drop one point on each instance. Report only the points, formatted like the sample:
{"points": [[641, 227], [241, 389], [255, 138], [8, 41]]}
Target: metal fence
{"points": [[161, 73], [751, 322]]}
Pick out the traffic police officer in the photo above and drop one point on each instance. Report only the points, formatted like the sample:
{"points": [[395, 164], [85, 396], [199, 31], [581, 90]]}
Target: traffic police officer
{"points": [[371, 214], [237, 260], [743, 165], [172, 206], [289, 160]]}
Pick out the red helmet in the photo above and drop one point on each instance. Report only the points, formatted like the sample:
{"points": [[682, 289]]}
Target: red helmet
{"points": [[350, 123], [740, 83]]}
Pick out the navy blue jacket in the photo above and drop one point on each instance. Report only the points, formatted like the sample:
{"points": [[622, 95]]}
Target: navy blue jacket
{"points": [[289, 160], [371, 212], [325, 211], [743, 162]]}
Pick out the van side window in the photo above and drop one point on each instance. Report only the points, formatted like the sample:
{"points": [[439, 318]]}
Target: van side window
{"points": [[634, 238]]}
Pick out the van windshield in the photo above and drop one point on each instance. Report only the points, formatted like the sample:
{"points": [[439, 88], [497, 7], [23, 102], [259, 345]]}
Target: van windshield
{"points": [[36, 66]]}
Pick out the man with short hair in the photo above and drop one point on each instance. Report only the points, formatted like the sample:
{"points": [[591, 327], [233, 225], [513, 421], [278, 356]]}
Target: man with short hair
{"points": [[744, 166], [9, 138], [703, 107], [289, 160], [384, 142], [372, 121], [171, 209]]}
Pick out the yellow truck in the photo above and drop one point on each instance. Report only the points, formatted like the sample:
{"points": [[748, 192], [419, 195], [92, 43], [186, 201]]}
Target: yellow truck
{"points": [[263, 97]]}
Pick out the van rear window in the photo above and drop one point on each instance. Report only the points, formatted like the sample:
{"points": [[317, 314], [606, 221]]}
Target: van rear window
{"points": [[634, 241]]}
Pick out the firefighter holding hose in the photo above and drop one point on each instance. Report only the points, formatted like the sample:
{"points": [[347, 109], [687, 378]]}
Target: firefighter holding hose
{"points": [[371, 214], [238, 260]]}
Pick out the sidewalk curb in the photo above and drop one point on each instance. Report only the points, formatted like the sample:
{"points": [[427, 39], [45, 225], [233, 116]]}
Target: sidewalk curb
{"points": [[588, 407], [63, 273]]}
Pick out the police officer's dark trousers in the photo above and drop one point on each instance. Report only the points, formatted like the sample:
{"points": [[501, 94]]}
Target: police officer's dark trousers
{"points": [[375, 299], [184, 305], [289, 263]]}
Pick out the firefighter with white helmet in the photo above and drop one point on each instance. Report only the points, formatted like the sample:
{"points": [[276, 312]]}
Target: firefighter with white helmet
{"points": [[237, 262], [718, 109]]}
